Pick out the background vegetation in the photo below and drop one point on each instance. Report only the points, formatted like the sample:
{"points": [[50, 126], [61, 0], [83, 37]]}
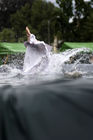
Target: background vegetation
{"points": [[71, 21]]}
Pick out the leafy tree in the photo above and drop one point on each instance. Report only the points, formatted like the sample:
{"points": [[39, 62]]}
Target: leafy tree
{"points": [[7, 35], [80, 12], [42, 13], [8, 7], [36, 18], [20, 20], [66, 8], [66, 12], [87, 28]]}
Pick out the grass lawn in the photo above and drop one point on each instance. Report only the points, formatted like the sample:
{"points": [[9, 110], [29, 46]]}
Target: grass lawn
{"points": [[73, 45], [11, 48]]}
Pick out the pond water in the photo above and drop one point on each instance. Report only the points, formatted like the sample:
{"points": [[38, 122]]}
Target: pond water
{"points": [[55, 103], [56, 70]]}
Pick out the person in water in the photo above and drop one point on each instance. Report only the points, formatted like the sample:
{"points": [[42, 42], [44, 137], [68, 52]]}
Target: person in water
{"points": [[37, 54]]}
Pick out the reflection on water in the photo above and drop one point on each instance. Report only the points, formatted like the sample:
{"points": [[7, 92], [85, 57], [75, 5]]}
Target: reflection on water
{"points": [[56, 70]]}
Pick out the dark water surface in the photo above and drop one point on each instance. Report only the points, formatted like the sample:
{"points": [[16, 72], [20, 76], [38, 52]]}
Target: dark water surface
{"points": [[54, 105], [58, 109]]}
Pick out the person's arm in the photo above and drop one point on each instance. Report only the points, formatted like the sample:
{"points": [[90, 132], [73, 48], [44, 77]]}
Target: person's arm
{"points": [[36, 43], [28, 34]]}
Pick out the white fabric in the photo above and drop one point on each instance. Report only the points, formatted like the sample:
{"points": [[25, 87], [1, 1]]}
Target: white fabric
{"points": [[36, 56]]}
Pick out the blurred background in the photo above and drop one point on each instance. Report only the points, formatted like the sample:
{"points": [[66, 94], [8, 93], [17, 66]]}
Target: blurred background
{"points": [[66, 20]]}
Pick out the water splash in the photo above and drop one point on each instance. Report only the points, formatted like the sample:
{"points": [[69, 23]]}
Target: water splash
{"points": [[56, 61], [56, 69]]}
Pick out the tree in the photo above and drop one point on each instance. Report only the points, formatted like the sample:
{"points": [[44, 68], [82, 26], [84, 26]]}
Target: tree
{"points": [[66, 12], [7, 35], [42, 12], [36, 18], [20, 20], [79, 10], [87, 28], [8, 7]]}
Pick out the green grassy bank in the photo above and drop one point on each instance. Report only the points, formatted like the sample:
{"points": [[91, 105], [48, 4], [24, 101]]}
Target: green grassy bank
{"points": [[11, 48], [73, 45]]}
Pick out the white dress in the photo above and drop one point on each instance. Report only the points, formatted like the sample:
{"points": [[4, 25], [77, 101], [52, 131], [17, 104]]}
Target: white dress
{"points": [[36, 56]]}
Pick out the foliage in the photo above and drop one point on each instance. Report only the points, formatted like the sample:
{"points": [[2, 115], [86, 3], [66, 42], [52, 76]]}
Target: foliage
{"points": [[7, 35], [20, 20], [42, 12], [8, 7], [79, 11], [36, 18], [45, 20], [87, 28]]}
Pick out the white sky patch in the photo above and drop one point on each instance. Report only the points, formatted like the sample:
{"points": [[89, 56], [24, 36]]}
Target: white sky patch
{"points": [[52, 1], [86, 0], [73, 3], [71, 20]]}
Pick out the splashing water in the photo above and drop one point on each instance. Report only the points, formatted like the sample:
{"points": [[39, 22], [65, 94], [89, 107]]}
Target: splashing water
{"points": [[56, 61], [41, 65], [55, 69]]}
